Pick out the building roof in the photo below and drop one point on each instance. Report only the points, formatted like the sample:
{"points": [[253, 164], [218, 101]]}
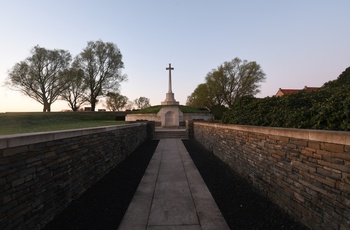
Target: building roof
{"points": [[311, 88], [282, 92]]}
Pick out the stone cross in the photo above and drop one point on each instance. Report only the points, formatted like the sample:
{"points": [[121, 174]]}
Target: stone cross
{"points": [[170, 69]]}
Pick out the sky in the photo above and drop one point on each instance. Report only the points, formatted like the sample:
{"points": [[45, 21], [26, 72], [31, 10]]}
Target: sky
{"points": [[296, 43]]}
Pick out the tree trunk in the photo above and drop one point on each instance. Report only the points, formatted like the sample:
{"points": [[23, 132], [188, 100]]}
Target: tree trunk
{"points": [[47, 107], [93, 104]]}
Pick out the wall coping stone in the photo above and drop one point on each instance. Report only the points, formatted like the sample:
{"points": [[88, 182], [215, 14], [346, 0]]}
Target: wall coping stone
{"points": [[336, 137], [15, 140]]}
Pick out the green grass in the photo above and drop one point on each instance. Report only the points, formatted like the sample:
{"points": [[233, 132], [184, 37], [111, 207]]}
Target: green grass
{"points": [[14, 123], [156, 109], [186, 109], [152, 109]]}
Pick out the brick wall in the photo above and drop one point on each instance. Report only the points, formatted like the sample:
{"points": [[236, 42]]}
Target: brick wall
{"points": [[305, 172], [40, 174]]}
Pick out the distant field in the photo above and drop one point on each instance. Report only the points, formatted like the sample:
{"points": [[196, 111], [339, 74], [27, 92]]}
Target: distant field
{"points": [[14, 123]]}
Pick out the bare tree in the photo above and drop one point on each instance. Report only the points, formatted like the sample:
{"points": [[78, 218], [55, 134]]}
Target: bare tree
{"points": [[101, 63], [142, 102], [41, 76], [74, 94], [116, 101]]}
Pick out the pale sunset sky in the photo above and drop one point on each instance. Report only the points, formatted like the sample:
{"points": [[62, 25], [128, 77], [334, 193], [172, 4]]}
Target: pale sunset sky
{"points": [[297, 43]]}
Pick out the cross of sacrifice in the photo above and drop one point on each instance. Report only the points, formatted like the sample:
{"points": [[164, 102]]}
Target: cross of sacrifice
{"points": [[170, 69]]}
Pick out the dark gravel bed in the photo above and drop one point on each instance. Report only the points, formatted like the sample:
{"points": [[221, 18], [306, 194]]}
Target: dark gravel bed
{"points": [[242, 206], [104, 204]]}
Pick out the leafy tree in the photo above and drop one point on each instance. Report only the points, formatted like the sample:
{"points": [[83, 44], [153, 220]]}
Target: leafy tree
{"points": [[41, 76], [200, 98], [116, 101], [142, 102], [230, 81], [74, 94], [233, 80], [332, 110], [342, 81], [218, 111], [101, 63]]}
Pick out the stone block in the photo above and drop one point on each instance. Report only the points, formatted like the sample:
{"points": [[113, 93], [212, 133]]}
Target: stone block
{"points": [[344, 156], [324, 153], [307, 152], [8, 206], [33, 159], [299, 197], [6, 199], [18, 182], [341, 167], [345, 178], [342, 186], [298, 142], [13, 151], [333, 160], [328, 172], [324, 180], [335, 148], [27, 172], [313, 144], [279, 138], [347, 148]]}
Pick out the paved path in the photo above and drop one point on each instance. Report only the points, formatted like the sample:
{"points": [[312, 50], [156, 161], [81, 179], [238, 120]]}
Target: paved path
{"points": [[172, 195]]}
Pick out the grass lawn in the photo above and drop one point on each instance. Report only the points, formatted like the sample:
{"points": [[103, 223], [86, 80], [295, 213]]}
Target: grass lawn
{"points": [[14, 123]]}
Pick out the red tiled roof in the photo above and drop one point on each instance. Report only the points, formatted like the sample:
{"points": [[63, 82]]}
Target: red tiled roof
{"points": [[291, 91], [311, 88]]}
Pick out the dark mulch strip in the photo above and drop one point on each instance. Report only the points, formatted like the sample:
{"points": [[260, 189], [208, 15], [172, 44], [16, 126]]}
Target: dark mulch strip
{"points": [[104, 204], [242, 206]]}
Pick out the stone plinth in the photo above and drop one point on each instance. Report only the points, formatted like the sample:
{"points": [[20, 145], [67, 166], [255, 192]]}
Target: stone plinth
{"points": [[170, 100], [170, 116]]}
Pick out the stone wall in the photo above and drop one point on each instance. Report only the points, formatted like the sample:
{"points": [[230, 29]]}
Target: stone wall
{"points": [[176, 118], [40, 174], [143, 117], [198, 116], [305, 172]]}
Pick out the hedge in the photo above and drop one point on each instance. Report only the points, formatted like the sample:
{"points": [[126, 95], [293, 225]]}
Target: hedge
{"points": [[327, 108]]}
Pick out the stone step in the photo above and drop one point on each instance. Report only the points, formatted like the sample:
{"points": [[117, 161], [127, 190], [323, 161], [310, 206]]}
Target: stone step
{"points": [[170, 134]]}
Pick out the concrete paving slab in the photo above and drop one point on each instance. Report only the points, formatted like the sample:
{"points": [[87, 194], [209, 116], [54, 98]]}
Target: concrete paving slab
{"points": [[179, 227], [136, 217], [172, 194], [175, 211], [172, 189]]}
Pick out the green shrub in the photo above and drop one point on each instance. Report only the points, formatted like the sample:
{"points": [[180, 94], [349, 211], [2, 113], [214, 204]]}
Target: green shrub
{"points": [[326, 108]]}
